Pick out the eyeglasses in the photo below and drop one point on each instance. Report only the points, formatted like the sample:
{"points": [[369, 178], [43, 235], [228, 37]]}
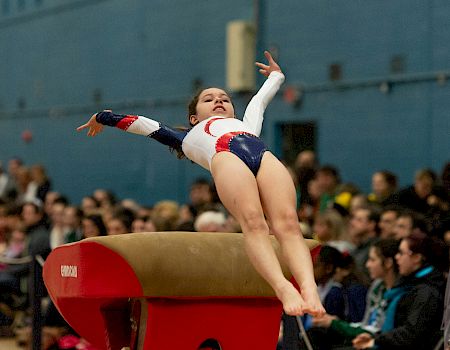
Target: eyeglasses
{"points": [[401, 253]]}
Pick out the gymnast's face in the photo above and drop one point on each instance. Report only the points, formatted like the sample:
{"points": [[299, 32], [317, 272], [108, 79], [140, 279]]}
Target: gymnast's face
{"points": [[212, 102]]}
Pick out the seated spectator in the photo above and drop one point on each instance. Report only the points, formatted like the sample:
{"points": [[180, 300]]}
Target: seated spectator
{"points": [[415, 197], [51, 198], [106, 199], [388, 218], [72, 223], [118, 224], [210, 221], [37, 243], [310, 206], [12, 218], [93, 226], [354, 287], [330, 291], [328, 179], [165, 215], [329, 229], [57, 228], [407, 222], [418, 314], [200, 196], [89, 205], [383, 270], [363, 233], [186, 218], [15, 246], [37, 231], [384, 187], [138, 224], [40, 181], [11, 298], [26, 189], [358, 201], [13, 167]]}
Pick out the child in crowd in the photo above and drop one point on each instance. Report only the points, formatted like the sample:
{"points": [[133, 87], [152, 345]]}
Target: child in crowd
{"points": [[251, 182]]}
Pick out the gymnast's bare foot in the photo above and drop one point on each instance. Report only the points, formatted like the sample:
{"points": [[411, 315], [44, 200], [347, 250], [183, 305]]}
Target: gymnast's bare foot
{"points": [[313, 305], [293, 303]]}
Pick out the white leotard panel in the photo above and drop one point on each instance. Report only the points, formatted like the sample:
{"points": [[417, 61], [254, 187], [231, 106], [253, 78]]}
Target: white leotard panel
{"points": [[199, 145]]}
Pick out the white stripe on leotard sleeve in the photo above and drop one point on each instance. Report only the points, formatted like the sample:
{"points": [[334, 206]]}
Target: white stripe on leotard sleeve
{"points": [[143, 126]]}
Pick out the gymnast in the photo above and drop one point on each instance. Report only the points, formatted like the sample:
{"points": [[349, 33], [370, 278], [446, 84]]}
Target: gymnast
{"points": [[251, 182]]}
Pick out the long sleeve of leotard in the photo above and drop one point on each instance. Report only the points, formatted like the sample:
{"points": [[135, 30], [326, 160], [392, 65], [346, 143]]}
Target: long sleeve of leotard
{"points": [[143, 126], [254, 113]]}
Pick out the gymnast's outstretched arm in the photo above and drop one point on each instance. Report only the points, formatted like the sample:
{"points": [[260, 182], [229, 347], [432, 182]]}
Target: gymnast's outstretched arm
{"points": [[254, 113], [136, 125]]}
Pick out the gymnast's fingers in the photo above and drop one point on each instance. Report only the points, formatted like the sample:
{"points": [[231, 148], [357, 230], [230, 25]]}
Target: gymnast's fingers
{"points": [[84, 126], [269, 57], [262, 65]]}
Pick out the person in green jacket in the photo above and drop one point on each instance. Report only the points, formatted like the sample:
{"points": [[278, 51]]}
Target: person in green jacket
{"points": [[381, 297]]}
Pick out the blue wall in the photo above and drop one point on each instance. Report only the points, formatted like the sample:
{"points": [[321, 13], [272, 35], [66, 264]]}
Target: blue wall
{"points": [[62, 60]]}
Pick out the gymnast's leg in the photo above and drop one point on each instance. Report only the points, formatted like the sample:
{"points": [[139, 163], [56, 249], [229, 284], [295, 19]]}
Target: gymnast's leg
{"points": [[238, 191], [277, 192]]}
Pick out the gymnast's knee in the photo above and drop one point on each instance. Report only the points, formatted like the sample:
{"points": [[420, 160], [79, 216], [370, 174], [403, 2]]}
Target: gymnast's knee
{"points": [[286, 225], [252, 221]]}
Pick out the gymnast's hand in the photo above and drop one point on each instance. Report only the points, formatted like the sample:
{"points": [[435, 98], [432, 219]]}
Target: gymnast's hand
{"points": [[267, 69], [94, 126]]}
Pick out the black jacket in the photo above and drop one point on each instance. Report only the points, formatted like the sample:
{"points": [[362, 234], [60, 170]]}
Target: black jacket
{"points": [[418, 315]]}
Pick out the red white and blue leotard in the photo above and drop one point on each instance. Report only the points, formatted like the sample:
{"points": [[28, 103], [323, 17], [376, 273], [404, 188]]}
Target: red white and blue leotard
{"points": [[213, 135]]}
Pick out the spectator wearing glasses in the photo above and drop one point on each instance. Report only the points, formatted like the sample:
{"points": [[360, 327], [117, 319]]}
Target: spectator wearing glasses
{"points": [[417, 320]]}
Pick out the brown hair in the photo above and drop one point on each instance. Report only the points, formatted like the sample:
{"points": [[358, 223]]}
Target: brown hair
{"points": [[433, 251], [390, 178], [387, 249], [192, 107]]}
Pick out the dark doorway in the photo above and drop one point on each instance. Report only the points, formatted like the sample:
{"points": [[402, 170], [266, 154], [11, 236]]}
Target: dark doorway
{"points": [[293, 138]]}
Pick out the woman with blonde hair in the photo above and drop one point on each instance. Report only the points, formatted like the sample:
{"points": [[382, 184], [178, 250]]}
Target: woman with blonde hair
{"points": [[165, 215], [329, 229]]}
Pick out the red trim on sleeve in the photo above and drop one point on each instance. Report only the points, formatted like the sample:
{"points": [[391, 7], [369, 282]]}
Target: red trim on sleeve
{"points": [[126, 122]]}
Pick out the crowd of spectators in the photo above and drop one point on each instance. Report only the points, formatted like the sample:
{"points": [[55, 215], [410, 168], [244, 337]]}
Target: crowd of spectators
{"points": [[394, 241], [356, 230]]}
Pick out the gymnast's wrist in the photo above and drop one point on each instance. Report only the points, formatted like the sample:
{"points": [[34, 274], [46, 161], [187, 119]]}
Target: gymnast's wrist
{"points": [[277, 74]]}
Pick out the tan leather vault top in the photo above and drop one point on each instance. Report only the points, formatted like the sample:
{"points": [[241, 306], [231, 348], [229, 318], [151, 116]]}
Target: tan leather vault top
{"points": [[191, 264]]}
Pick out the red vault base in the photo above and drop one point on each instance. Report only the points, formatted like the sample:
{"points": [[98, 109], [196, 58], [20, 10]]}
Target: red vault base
{"points": [[101, 296]]}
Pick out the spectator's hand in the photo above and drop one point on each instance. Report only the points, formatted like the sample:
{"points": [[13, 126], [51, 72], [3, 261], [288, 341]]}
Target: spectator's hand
{"points": [[323, 321], [267, 69], [363, 341], [94, 127]]}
